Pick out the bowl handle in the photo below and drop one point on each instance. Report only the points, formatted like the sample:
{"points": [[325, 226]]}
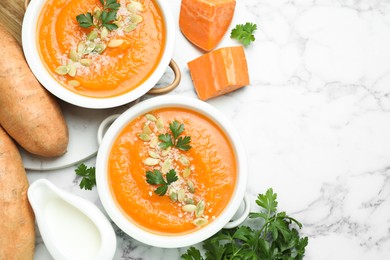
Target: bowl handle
{"points": [[241, 218], [104, 125], [173, 85]]}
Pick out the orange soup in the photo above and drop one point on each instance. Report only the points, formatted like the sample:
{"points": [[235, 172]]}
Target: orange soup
{"points": [[172, 171], [101, 50]]}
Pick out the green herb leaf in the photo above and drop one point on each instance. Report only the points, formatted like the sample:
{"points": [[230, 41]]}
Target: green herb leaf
{"points": [[192, 254], [156, 178], [161, 190], [105, 19], [171, 176], [244, 33], [176, 129], [85, 20], [89, 179], [166, 141], [276, 237], [183, 143]]}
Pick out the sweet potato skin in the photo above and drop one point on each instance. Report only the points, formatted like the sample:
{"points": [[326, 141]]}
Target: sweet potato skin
{"points": [[17, 222], [28, 113]]}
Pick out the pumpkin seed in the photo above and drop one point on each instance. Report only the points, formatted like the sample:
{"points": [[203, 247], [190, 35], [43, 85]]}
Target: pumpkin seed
{"points": [[103, 33], [153, 154], [166, 151], [115, 43], [62, 70], [134, 7], [151, 161], [81, 48], [74, 56], [86, 62], [181, 195], [167, 164], [97, 13], [136, 18], [186, 172], [119, 23], [72, 70], [89, 47], [151, 117], [74, 83], [188, 200], [92, 35], [184, 160], [189, 208], [200, 222], [153, 141], [100, 47], [200, 209], [191, 186], [130, 27], [160, 124], [144, 137], [173, 195], [146, 129]]}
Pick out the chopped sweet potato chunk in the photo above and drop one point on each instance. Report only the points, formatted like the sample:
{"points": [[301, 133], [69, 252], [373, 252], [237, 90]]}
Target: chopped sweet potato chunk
{"points": [[205, 22], [219, 72]]}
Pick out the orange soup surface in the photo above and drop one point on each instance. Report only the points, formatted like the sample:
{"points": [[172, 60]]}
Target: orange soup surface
{"points": [[204, 166], [115, 54]]}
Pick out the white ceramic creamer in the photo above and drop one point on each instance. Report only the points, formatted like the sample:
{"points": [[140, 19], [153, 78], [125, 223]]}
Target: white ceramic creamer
{"points": [[71, 227]]}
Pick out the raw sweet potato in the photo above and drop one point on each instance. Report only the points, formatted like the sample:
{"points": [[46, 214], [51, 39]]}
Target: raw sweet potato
{"points": [[219, 72], [205, 22], [28, 113], [17, 223]]}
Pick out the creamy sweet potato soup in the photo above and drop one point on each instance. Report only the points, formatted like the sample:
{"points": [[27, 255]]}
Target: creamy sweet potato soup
{"points": [[101, 48], [172, 171]]}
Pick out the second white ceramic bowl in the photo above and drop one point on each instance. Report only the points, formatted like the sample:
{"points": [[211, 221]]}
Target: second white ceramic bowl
{"points": [[172, 241]]}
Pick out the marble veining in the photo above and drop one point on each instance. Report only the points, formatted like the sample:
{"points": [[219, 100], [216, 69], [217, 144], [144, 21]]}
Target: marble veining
{"points": [[315, 122]]}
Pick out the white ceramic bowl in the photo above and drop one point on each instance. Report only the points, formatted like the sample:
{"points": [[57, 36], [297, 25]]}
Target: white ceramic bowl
{"points": [[171, 241], [31, 52]]}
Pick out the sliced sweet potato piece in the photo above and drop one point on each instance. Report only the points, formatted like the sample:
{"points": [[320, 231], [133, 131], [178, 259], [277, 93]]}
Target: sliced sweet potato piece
{"points": [[219, 72], [204, 22]]}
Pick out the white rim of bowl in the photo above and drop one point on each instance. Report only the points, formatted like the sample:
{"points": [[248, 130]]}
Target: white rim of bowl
{"points": [[170, 241], [31, 52]]}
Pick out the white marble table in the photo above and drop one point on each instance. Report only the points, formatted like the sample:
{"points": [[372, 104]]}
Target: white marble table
{"points": [[315, 122]]}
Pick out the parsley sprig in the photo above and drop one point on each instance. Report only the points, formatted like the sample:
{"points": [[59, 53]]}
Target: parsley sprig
{"points": [[277, 238], [244, 33], [167, 140], [155, 177], [103, 18], [88, 173]]}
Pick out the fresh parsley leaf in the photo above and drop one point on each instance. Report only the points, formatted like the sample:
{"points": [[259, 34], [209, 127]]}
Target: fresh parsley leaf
{"points": [[112, 5], [244, 33], [171, 176], [161, 190], [166, 141], [89, 179], [181, 143], [192, 254], [176, 129], [156, 178], [104, 19], [85, 20], [107, 19], [275, 238]]}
